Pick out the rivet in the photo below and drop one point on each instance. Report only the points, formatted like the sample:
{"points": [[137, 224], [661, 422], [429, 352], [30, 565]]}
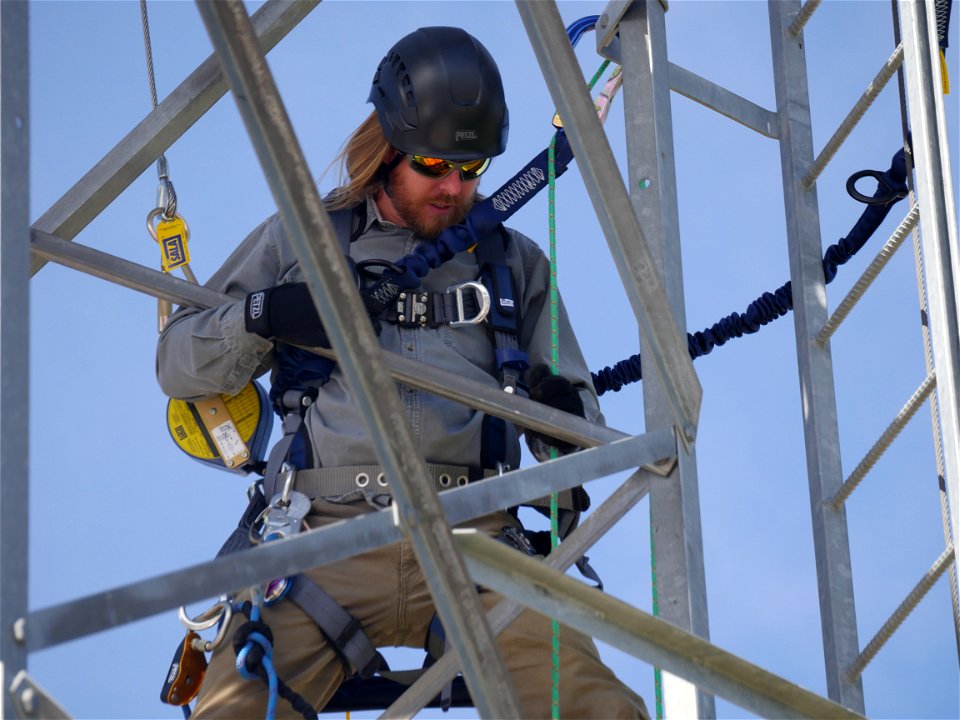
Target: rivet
{"points": [[213, 411]]}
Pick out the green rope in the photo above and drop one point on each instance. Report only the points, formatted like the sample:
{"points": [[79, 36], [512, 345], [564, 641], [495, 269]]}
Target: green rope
{"points": [[555, 369], [657, 677]]}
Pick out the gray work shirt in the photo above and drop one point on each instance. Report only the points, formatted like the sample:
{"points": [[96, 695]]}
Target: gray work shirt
{"points": [[204, 352]]}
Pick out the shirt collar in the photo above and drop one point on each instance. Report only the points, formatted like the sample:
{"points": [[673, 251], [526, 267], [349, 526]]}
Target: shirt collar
{"points": [[373, 215]]}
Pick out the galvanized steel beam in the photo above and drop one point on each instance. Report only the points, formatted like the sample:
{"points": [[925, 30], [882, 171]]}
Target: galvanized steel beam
{"points": [[70, 620], [721, 100], [815, 365], [938, 226], [437, 381], [598, 522], [640, 634], [676, 535], [104, 182], [14, 338], [666, 347]]}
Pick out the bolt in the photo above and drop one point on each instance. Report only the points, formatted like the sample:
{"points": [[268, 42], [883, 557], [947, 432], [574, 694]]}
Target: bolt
{"points": [[403, 296], [509, 389], [20, 630], [213, 411], [401, 318], [244, 454], [27, 697], [229, 462]]}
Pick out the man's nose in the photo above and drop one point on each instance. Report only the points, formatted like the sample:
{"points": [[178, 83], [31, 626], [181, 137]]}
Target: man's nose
{"points": [[451, 182]]}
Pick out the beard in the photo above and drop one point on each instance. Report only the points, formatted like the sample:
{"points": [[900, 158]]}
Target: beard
{"points": [[419, 219]]}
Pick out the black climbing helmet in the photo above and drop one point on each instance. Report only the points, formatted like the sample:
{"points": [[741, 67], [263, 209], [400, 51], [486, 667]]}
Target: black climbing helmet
{"points": [[438, 93]]}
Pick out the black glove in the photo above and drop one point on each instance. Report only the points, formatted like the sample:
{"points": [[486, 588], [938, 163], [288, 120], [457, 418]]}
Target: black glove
{"points": [[559, 393], [285, 313]]}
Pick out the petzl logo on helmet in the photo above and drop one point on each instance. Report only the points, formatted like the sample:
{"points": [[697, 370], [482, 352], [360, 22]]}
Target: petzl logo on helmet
{"points": [[466, 135], [256, 305]]}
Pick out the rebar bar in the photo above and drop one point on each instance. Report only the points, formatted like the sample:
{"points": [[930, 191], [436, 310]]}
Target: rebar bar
{"points": [[900, 614], [806, 12], [858, 111], [899, 422], [869, 275]]}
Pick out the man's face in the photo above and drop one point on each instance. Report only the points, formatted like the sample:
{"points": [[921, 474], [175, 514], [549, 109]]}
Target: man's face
{"points": [[426, 205]]}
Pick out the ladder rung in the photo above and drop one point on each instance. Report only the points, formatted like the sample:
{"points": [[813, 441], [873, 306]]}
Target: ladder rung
{"points": [[869, 275], [889, 435], [850, 122], [900, 614]]}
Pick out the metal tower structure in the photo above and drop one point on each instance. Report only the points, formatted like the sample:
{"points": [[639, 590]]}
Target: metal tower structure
{"points": [[642, 231]]}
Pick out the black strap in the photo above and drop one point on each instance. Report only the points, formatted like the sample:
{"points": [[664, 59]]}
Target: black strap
{"points": [[340, 627]]}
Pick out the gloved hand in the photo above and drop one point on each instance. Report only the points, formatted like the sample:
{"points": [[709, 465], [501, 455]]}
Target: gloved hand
{"points": [[285, 313], [559, 393]]}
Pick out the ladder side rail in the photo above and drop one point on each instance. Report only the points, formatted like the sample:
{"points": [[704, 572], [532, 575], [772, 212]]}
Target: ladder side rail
{"points": [[676, 533], [815, 365], [938, 219], [123, 164], [14, 338]]}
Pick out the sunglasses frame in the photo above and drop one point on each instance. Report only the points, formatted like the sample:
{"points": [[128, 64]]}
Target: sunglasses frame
{"points": [[451, 166]]}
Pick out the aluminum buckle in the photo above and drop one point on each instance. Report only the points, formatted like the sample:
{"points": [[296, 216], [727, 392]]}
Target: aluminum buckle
{"points": [[484, 296]]}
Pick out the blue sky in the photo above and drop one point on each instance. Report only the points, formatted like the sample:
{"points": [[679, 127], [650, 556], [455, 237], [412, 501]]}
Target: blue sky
{"points": [[113, 501]]}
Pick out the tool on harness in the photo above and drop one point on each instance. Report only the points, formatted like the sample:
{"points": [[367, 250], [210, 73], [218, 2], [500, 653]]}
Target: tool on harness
{"points": [[189, 665], [186, 672], [282, 518], [891, 188]]}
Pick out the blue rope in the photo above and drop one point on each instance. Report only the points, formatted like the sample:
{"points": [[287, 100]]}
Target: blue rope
{"points": [[265, 663], [768, 307]]}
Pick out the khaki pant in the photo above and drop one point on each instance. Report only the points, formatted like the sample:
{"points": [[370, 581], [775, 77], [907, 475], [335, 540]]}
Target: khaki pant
{"points": [[386, 591]]}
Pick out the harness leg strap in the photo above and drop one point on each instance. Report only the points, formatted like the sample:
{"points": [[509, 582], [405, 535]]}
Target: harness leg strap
{"points": [[340, 627]]}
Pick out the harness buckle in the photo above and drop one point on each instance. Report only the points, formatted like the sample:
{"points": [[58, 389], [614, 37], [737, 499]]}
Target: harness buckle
{"points": [[412, 309], [484, 296]]}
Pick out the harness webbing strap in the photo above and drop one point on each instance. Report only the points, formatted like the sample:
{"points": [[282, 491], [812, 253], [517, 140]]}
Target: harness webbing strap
{"points": [[342, 629]]}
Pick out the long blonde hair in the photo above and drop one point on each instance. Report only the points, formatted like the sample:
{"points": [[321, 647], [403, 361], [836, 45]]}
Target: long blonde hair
{"points": [[359, 161]]}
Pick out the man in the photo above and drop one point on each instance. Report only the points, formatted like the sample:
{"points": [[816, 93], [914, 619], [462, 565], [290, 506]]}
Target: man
{"points": [[412, 170]]}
